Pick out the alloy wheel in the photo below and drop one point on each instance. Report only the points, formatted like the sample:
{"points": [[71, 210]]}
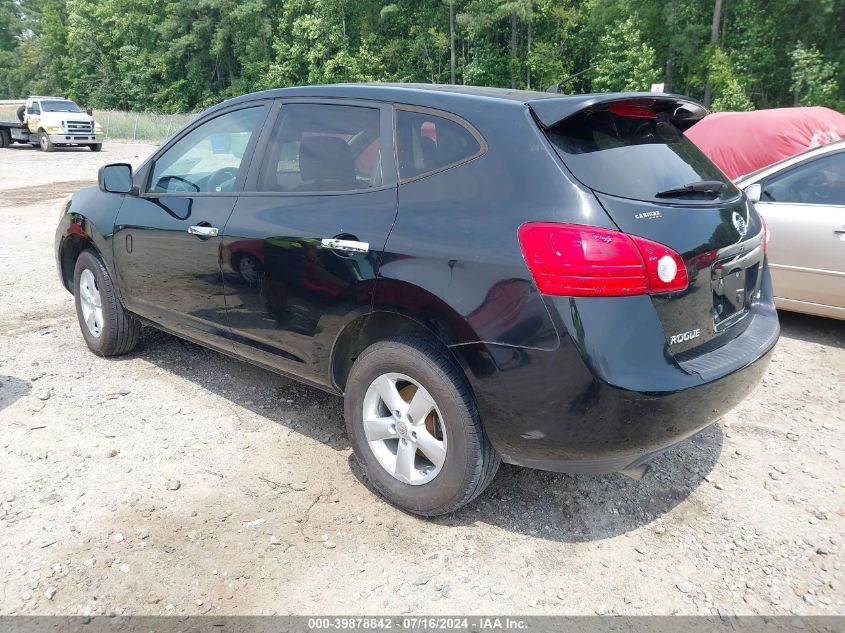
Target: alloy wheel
{"points": [[91, 303], [404, 428]]}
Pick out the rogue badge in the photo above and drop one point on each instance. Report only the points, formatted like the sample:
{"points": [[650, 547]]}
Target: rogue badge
{"points": [[685, 336]]}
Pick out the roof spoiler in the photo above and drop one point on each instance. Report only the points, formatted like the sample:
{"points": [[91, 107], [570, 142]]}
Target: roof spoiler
{"points": [[683, 111]]}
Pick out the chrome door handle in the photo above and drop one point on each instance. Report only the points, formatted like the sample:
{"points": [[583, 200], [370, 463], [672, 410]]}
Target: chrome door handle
{"points": [[348, 246], [839, 231], [204, 231]]}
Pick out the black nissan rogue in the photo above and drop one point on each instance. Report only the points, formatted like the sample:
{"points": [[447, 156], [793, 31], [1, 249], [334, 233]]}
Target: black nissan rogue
{"points": [[559, 282]]}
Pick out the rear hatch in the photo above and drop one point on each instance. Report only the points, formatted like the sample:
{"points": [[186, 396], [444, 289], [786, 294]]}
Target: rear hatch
{"points": [[654, 183]]}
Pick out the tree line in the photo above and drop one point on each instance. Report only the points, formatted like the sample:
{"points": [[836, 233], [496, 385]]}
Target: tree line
{"points": [[176, 56]]}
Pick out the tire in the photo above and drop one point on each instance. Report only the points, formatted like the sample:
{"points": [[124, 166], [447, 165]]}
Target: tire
{"points": [[44, 142], [470, 460], [96, 147], [5, 139], [116, 332]]}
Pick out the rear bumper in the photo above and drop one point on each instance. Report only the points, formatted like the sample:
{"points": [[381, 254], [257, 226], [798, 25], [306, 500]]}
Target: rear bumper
{"points": [[610, 397]]}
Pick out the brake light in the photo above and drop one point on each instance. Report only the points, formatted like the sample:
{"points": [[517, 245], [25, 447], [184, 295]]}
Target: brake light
{"points": [[584, 261], [636, 109]]}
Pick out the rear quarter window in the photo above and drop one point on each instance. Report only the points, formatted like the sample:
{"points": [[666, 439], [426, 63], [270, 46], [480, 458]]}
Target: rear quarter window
{"points": [[634, 156], [427, 143]]}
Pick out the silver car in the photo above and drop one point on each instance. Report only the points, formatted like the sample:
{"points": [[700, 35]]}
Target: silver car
{"points": [[802, 200]]}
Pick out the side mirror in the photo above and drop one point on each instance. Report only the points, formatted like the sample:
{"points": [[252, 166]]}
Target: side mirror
{"points": [[754, 192], [115, 178]]}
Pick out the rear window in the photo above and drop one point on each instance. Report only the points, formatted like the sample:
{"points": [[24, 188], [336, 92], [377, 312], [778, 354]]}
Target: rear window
{"points": [[323, 147], [635, 157]]}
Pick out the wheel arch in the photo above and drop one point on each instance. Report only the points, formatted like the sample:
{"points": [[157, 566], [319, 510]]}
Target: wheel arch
{"points": [[373, 327], [77, 233], [69, 251]]}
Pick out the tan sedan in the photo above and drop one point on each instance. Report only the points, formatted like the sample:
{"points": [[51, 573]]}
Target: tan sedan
{"points": [[802, 200]]}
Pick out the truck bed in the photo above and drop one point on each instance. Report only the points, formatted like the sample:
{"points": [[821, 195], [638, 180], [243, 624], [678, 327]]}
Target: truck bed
{"points": [[11, 124]]}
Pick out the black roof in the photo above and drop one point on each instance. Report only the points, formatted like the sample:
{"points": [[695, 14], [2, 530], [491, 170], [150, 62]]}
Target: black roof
{"points": [[549, 108]]}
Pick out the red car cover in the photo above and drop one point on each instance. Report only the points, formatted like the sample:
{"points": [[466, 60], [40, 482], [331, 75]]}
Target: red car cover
{"points": [[742, 142]]}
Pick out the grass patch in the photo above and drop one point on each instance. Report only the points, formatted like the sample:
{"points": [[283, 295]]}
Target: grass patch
{"points": [[140, 126]]}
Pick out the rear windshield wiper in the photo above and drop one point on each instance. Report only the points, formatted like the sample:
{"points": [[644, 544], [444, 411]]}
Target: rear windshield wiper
{"points": [[702, 186]]}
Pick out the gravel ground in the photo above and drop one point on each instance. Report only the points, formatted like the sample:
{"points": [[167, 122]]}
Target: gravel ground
{"points": [[176, 480]]}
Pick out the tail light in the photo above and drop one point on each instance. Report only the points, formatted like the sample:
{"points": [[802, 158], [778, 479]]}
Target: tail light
{"points": [[584, 261]]}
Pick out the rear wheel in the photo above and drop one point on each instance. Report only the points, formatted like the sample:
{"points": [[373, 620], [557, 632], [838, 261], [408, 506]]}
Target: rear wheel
{"points": [[107, 328], [415, 429], [5, 139], [44, 142], [96, 147]]}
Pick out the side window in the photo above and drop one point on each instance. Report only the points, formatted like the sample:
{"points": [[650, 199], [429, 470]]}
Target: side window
{"points": [[820, 181], [321, 147], [426, 143], [35, 108], [208, 158]]}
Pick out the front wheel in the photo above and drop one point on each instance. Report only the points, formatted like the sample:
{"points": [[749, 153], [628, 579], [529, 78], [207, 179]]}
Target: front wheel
{"points": [[415, 429], [44, 142], [107, 328], [96, 147]]}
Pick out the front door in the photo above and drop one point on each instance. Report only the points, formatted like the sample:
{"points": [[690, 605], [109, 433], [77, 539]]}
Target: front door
{"points": [[804, 208], [167, 238], [301, 251]]}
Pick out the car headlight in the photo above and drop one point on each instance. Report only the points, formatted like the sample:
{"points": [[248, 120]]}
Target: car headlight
{"points": [[65, 205], [54, 129], [98, 129]]}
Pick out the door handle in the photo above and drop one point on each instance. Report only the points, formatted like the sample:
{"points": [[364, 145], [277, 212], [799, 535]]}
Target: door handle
{"points": [[204, 231], [839, 231], [347, 246]]}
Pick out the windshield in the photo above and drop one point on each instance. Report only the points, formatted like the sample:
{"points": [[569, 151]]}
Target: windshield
{"points": [[57, 105], [636, 157]]}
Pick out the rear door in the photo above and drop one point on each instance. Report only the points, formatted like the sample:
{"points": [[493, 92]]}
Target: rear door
{"points": [[302, 249], [655, 183], [804, 207]]}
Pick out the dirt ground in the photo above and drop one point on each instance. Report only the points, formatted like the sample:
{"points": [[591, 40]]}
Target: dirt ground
{"points": [[178, 481]]}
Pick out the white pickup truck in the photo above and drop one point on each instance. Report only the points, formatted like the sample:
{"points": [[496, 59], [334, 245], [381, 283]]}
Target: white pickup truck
{"points": [[50, 122]]}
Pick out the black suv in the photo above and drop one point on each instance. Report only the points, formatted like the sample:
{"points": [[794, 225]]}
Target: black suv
{"points": [[560, 282]]}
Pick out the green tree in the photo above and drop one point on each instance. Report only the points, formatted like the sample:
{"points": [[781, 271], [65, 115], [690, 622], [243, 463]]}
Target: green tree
{"points": [[623, 61], [813, 78], [325, 41], [176, 55], [728, 93]]}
